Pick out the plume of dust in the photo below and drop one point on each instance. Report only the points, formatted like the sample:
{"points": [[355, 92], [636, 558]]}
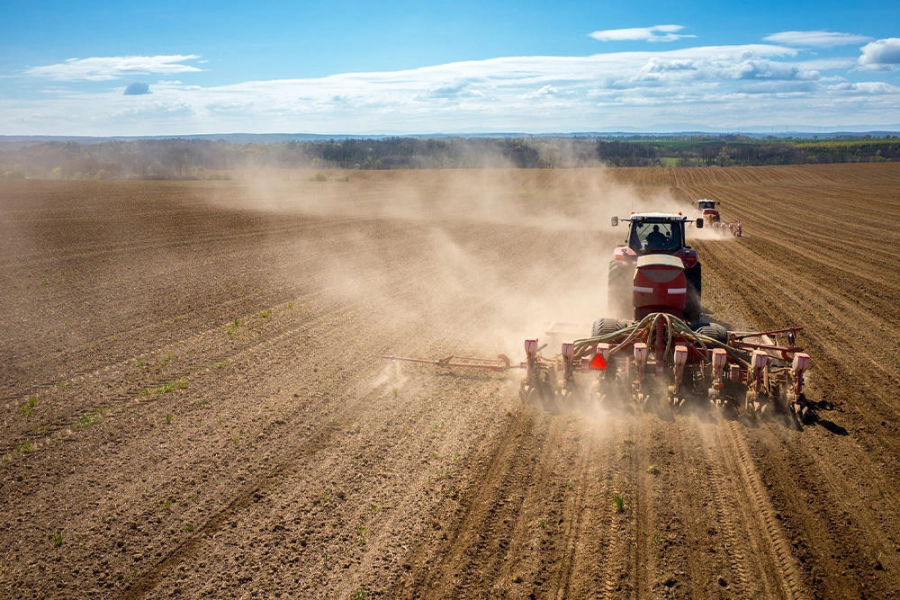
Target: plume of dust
{"points": [[391, 376], [662, 201], [689, 208], [474, 261], [711, 233], [561, 200]]}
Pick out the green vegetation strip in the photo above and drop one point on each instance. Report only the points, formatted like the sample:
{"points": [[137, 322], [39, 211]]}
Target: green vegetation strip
{"points": [[165, 388]]}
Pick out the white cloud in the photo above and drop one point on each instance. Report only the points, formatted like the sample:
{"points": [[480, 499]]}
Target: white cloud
{"points": [[113, 67], [452, 90], [502, 88], [829, 64], [760, 69], [548, 91], [881, 55], [778, 87], [868, 87], [658, 65], [819, 38], [657, 33], [714, 86]]}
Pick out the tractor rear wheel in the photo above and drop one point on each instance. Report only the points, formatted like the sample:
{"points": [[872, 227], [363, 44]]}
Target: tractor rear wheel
{"points": [[620, 289], [694, 277], [607, 326], [714, 331]]}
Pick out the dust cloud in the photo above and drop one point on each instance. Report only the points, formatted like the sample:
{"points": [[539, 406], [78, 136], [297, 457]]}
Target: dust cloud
{"points": [[665, 203], [471, 261]]}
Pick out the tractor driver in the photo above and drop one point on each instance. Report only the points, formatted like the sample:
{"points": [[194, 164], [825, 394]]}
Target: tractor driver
{"points": [[656, 239]]}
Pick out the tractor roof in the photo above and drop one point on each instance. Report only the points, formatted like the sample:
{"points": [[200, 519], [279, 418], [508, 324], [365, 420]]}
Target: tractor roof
{"points": [[656, 216]]}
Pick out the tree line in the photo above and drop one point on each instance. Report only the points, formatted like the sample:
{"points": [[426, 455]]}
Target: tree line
{"points": [[180, 158]]}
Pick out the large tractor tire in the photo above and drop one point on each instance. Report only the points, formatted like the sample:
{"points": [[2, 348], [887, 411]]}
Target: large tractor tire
{"points": [[694, 278], [620, 290], [714, 331], [607, 326]]}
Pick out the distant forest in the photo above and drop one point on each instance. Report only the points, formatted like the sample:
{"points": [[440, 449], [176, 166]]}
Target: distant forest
{"points": [[178, 158]]}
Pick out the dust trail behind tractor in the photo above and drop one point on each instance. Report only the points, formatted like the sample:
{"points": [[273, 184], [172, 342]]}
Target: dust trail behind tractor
{"points": [[660, 361], [665, 353], [711, 216]]}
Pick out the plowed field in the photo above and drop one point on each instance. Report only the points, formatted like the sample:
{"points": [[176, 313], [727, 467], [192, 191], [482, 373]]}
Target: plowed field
{"points": [[193, 404]]}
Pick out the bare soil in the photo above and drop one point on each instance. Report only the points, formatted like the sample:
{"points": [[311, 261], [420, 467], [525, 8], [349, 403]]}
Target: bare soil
{"points": [[193, 404]]}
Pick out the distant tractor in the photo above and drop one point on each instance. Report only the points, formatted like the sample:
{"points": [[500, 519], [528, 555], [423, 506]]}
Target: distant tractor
{"points": [[655, 271], [708, 211], [710, 215]]}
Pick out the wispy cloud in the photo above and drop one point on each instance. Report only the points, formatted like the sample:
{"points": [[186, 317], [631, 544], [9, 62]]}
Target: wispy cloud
{"points": [[707, 86], [502, 89], [779, 88], [867, 87], [818, 39], [114, 67], [881, 55], [657, 33], [452, 90]]}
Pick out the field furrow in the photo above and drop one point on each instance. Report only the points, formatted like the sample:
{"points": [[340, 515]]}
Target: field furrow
{"points": [[194, 405]]}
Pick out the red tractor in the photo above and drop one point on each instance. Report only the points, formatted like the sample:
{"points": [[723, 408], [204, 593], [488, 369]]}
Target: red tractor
{"points": [[662, 352], [710, 215], [708, 211], [655, 270]]}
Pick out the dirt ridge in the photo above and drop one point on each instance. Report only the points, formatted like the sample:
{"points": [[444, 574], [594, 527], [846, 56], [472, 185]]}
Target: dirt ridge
{"points": [[193, 404]]}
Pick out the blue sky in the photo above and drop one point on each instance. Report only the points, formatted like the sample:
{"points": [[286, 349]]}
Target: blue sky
{"points": [[402, 67]]}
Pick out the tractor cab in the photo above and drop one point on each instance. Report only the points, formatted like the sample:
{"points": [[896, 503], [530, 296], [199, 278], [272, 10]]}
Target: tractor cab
{"points": [[656, 233], [656, 254], [652, 237]]}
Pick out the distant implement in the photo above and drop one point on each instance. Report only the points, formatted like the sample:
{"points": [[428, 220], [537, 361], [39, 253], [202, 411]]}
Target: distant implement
{"points": [[710, 215]]}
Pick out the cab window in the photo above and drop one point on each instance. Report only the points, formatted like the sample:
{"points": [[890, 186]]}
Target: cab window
{"points": [[650, 237]]}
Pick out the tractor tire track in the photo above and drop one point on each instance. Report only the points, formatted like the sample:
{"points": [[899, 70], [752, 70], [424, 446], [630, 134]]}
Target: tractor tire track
{"points": [[304, 466], [715, 551], [577, 519], [734, 478], [186, 550], [621, 569], [480, 509]]}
